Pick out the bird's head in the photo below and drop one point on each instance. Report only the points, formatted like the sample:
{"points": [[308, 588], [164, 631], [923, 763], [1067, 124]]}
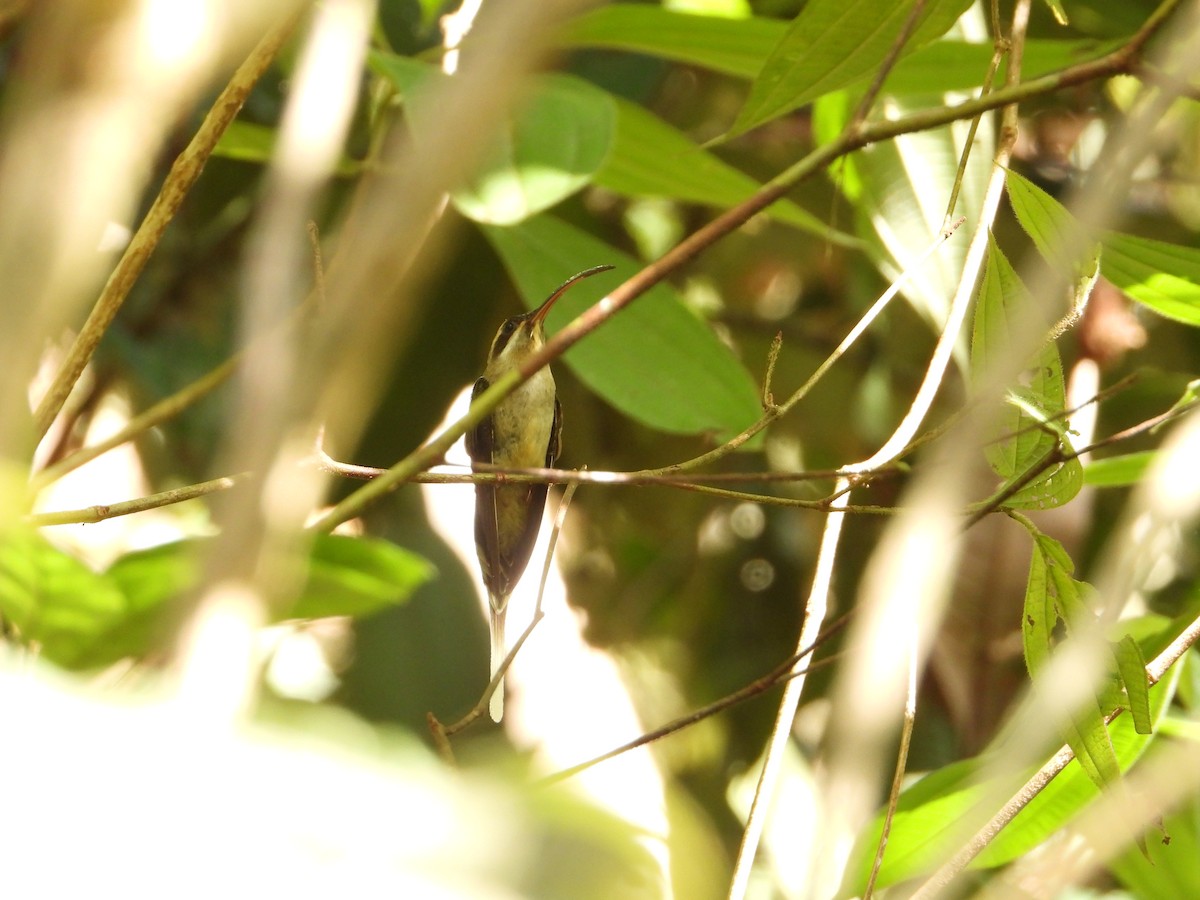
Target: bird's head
{"points": [[522, 336]]}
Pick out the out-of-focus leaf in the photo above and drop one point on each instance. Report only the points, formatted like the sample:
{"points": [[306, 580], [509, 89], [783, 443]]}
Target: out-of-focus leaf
{"points": [[559, 139], [831, 44], [938, 813], [53, 599], [81, 619], [650, 158], [733, 46], [1170, 870], [655, 361], [1056, 8], [357, 576], [254, 143], [1118, 471], [548, 150], [1131, 666], [405, 74], [1030, 427]]}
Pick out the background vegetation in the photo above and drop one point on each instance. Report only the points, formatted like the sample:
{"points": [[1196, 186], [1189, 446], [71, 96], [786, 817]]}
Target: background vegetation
{"points": [[898, 355]]}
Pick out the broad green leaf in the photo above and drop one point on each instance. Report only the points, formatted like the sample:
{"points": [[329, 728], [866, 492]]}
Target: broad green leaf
{"points": [[655, 361], [53, 599], [1163, 277], [1118, 471], [1030, 426], [559, 139], [733, 46], [1131, 665], [830, 45], [548, 150], [355, 576], [650, 158], [1160, 276], [937, 814]]}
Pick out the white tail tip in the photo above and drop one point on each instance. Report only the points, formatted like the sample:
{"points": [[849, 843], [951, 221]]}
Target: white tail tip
{"points": [[496, 708]]}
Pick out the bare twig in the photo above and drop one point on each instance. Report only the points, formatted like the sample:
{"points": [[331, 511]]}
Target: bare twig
{"points": [[126, 507], [183, 175]]}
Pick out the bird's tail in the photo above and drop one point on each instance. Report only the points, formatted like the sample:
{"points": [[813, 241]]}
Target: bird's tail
{"points": [[499, 611]]}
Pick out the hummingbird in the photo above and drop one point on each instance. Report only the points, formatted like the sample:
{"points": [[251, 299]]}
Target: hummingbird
{"points": [[523, 432]]}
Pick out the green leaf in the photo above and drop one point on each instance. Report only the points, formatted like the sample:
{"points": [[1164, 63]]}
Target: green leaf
{"points": [[254, 143], [1170, 870], [84, 620], [558, 141], [357, 576], [1118, 471], [738, 47], [548, 150], [655, 361], [1160, 276], [1052, 594], [1131, 666], [1055, 232], [53, 599], [937, 814], [1056, 8], [406, 74], [650, 158], [958, 65], [733, 46], [1030, 426], [831, 44]]}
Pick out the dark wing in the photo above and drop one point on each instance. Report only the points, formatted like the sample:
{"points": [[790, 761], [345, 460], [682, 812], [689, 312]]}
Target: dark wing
{"points": [[487, 543], [555, 445], [479, 438]]}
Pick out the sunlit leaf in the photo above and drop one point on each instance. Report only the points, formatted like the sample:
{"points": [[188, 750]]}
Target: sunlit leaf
{"points": [[549, 149], [1160, 276], [830, 45], [1118, 471], [554, 146], [655, 361]]}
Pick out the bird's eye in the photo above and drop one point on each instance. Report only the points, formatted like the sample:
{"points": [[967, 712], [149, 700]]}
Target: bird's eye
{"points": [[503, 336]]}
